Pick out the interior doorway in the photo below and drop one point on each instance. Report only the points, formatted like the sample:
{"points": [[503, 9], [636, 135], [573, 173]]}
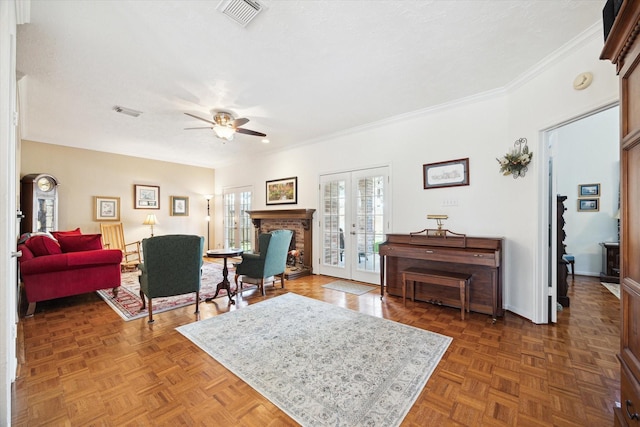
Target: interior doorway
{"points": [[582, 154], [353, 223]]}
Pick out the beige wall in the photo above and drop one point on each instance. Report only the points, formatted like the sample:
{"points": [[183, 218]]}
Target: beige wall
{"points": [[85, 173]]}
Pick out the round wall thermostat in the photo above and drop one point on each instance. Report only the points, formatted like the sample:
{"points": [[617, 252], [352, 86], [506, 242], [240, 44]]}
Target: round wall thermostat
{"points": [[582, 81]]}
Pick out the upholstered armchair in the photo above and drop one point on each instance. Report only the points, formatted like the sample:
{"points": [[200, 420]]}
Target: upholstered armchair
{"points": [[270, 261], [172, 266]]}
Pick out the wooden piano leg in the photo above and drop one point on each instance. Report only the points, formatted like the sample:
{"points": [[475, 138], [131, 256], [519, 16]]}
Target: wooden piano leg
{"points": [[382, 258]]}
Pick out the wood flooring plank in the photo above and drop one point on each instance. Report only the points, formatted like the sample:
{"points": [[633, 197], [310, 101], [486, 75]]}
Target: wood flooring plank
{"points": [[81, 364]]}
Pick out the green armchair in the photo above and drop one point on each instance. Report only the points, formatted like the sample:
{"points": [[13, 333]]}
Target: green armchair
{"points": [[172, 266], [271, 261]]}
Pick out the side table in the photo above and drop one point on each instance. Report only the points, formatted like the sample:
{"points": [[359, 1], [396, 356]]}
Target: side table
{"points": [[610, 262], [224, 254]]}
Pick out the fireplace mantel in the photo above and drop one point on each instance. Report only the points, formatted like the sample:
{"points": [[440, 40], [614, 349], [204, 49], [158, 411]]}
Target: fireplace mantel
{"points": [[302, 214], [303, 217]]}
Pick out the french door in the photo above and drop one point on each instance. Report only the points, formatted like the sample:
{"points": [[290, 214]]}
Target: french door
{"points": [[353, 223], [238, 232]]}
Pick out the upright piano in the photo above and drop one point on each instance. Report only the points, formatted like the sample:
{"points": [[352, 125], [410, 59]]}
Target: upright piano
{"points": [[480, 257]]}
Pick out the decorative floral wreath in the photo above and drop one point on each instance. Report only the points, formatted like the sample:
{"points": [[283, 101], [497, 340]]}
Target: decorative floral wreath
{"points": [[515, 162]]}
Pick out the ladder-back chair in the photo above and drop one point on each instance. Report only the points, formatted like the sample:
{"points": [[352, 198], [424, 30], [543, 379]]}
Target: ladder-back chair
{"points": [[113, 238]]}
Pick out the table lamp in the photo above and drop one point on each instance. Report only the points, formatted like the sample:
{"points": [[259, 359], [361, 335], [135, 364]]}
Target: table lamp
{"points": [[151, 220]]}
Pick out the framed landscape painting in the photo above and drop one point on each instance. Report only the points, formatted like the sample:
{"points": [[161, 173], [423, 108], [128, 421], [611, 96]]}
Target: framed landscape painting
{"points": [[282, 191], [589, 190], [588, 205]]}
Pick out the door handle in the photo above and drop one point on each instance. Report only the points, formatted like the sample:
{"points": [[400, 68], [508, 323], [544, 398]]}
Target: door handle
{"points": [[16, 254]]}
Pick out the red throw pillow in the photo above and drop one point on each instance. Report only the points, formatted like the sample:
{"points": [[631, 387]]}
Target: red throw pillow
{"points": [[80, 242], [43, 245], [57, 234]]}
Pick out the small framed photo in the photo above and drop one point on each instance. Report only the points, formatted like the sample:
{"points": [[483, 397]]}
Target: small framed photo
{"points": [[589, 190], [282, 191], [588, 205], [106, 208], [146, 196], [179, 206], [452, 173]]}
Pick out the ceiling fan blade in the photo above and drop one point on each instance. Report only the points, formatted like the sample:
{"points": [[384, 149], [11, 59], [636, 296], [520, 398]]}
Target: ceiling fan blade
{"points": [[200, 118], [250, 132], [239, 122], [206, 127]]}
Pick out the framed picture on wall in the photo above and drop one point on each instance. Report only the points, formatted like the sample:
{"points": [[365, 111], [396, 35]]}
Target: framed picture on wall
{"points": [[146, 196], [451, 173], [282, 191], [106, 208], [179, 206], [589, 190], [588, 205]]}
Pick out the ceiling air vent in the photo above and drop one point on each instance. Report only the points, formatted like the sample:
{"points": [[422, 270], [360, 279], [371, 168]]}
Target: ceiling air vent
{"points": [[241, 11], [127, 111]]}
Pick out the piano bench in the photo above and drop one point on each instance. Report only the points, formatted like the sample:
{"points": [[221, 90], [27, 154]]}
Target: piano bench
{"points": [[439, 278]]}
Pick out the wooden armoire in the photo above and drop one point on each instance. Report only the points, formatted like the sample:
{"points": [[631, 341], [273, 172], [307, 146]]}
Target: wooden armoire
{"points": [[622, 47]]}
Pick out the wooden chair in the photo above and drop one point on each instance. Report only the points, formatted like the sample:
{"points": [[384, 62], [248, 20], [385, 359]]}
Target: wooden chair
{"points": [[113, 238]]}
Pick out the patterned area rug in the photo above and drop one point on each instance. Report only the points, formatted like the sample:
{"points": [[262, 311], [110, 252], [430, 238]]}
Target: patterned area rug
{"points": [[349, 287], [128, 302], [321, 364], [614, 288]]}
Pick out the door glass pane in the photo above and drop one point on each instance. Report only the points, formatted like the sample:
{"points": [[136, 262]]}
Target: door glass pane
{"points": [[370, 221], [333, 219], [238, 229], [246, 228], [229, 220]]}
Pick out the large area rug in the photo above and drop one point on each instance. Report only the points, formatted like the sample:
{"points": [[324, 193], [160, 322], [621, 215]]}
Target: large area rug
{"points": [[128, 302], [321, 364], [349, 287], [614, 288]]}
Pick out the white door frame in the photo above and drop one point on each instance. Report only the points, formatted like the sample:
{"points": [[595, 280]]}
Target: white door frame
{"points": [[543, 292]]}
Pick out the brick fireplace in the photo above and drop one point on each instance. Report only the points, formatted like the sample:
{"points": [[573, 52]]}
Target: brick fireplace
{"points": [[298, 220]]}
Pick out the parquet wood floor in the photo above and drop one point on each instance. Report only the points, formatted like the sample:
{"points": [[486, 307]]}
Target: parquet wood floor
{"points": [[83, 365]]}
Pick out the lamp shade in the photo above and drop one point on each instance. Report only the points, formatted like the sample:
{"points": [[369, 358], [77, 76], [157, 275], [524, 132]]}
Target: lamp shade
{"points": [[151, 220]]}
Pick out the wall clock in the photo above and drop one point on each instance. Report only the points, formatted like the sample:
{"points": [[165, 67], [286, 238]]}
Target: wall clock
{"points": [[39, 203]]}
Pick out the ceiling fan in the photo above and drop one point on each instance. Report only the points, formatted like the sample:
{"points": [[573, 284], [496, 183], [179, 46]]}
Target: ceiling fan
{"points": [[225, 126]]}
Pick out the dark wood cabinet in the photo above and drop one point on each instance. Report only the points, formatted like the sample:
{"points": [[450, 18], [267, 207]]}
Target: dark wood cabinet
{"points": [[622, 47], [610, 262]]}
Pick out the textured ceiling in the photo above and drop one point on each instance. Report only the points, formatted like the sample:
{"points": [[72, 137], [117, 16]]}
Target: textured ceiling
{"points": [[300, 71]]}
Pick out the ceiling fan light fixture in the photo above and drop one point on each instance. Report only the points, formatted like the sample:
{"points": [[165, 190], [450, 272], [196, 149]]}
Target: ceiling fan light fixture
{"points": [[224, 132]]}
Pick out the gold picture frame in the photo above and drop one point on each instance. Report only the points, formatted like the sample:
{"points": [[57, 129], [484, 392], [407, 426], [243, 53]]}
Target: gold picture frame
{"points": [[179, 206], [106, 208]]}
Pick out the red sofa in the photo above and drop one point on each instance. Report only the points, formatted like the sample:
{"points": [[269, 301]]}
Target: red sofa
{"points": [[61, 264]]}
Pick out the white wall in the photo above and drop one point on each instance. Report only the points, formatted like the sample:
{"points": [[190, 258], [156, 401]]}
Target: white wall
{"points": [[587, 152], [482, 129]]}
